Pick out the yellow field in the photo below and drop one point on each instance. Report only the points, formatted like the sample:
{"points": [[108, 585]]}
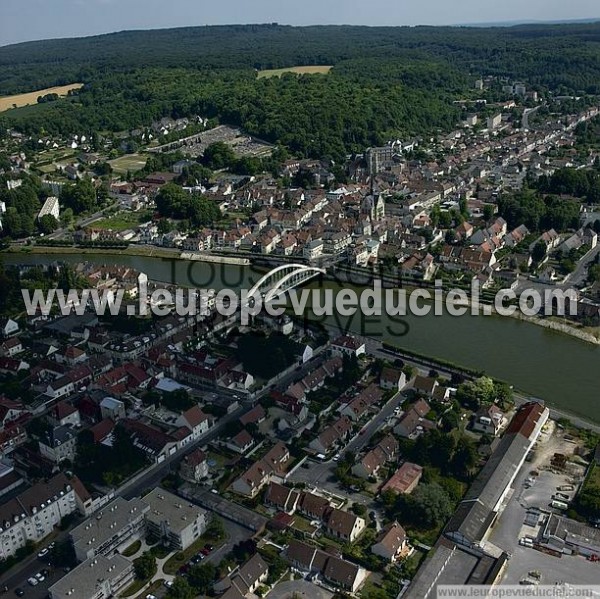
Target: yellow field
{"points": [[323, 70], [7, 102]]}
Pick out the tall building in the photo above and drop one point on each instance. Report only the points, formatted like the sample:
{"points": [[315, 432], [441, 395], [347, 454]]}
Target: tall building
{"points": [[33, 514], [96, 578], [118, 524], [50, 207], [494, 122], [379, 158], [178, 522]]}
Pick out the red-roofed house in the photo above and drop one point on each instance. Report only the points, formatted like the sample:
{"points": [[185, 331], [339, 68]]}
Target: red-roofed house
{"points": [[10, 412], [102, 432], [194, 467], [196, 420], [392, 543], [64, 413], [348, 346], [405, 479], [241, 443]]}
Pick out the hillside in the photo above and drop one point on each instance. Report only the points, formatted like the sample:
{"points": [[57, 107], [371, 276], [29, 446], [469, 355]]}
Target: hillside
{"points": [[545, 54]]}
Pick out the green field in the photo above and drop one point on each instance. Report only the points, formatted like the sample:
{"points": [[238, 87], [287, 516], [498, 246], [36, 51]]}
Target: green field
{"points": [[119, 222], [312, 70], [130, 162]]}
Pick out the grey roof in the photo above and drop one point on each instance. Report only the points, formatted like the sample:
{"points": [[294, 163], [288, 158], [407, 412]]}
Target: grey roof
{"points": [[105, 523], [476, 512], [572, 532], [499, 470], [82, 581], [449, 564], [471, 520], [110, 403], [166, 507]]}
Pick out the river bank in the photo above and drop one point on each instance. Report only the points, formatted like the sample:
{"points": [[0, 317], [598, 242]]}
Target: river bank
{"points": [[364, 278], [359, 278], [132, 250], [545, 363]]}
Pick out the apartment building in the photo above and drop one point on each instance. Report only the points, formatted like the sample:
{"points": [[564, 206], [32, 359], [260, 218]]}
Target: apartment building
{"points": [[178, 522], [96, 578], [33, 514], [118, 524]]}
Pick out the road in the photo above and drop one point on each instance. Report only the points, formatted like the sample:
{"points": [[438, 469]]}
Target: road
{"points": [[152, 476], [321, 474], [84, 222], [526, 114], [150, 479], [578, 277]]}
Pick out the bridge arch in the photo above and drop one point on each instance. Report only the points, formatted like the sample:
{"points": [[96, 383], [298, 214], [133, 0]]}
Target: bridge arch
{"points": [[281, 276]]}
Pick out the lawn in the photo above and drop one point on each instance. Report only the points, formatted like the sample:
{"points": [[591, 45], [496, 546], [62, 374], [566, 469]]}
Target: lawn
{"points": [[119, 222], [129, 162], [310, 70], [19, 100], [137, 585], [132, 549]]}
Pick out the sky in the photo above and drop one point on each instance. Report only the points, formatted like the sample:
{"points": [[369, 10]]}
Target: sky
{"points": [[23, 20]]}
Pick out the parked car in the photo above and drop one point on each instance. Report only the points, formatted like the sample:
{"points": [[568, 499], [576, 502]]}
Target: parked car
{"points": [[33, 581], [19, 592], [40, 577], [43, 552]]}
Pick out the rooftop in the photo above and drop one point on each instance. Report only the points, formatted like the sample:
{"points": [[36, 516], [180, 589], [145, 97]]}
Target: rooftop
{"points": [[105, 523], [82, 581], [166, 507]]}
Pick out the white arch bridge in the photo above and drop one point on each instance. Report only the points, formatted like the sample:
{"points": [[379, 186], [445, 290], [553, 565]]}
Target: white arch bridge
{"points": [[280, 280]]}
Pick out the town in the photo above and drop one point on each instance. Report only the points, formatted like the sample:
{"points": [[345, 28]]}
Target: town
{"points": [[166, 457], [462, 206]]}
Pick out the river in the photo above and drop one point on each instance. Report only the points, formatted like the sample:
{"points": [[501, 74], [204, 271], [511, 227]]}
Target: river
{"points": [[563, 371]]}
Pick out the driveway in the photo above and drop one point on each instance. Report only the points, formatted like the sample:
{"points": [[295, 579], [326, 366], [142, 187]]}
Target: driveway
{"points": [[299, 589]]}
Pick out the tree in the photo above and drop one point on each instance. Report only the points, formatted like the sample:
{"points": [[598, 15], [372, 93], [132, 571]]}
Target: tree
{"points": [[594, 273], [66, 218], [539, 252], [432, 505], [80, 197], [202, 577], [181, 589], [48, 224], [215, 529], [145, 566], [164, 226], [465, 458], [218, 156], [473, 393], [488, 212]]}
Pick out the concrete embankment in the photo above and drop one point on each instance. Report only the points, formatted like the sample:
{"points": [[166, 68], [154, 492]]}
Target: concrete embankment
{"points": [[214, 259]]}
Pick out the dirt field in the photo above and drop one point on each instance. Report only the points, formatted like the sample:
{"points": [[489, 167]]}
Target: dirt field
{"points": [[7, 102], [323, 70]]}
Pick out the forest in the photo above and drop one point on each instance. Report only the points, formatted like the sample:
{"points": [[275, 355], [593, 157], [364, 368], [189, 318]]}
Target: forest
{"points": [[550, 55], [386, 82]]}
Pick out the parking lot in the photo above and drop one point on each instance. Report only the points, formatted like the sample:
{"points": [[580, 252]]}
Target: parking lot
{"points": [[531, 492]]}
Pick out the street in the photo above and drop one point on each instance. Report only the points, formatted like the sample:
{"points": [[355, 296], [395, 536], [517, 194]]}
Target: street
{"points": [[321, 474], [17, 577]]}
